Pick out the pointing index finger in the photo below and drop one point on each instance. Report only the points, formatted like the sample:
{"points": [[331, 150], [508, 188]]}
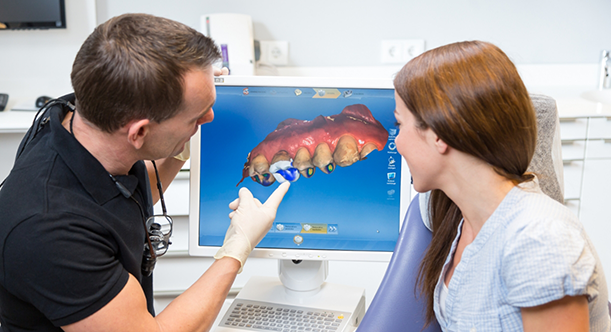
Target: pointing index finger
{"points": [[276, 197]]}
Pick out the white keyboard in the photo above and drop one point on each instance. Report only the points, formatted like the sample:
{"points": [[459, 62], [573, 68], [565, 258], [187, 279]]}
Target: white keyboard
{"points": [[262, 316]]}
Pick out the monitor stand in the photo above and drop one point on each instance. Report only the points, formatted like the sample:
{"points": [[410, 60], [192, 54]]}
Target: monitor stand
{"points": [[302, 284]]}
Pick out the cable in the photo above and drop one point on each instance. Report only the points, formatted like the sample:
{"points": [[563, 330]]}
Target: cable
{"points": [[37, 124], [39, 121]]}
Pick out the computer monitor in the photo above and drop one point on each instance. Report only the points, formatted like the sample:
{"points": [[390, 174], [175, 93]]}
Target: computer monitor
{"points": [[32, 14], [350, 191]]}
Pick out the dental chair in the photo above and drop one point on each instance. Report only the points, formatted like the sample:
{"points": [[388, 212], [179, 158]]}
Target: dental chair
{"points": [[397, 305]]}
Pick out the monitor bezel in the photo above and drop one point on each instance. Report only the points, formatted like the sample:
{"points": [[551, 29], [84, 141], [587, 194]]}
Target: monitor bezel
{"points": [[296, 254]]}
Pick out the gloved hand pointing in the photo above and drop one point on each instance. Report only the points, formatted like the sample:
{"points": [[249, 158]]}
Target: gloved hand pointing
{"points": [[186, 152], [250, 221]]}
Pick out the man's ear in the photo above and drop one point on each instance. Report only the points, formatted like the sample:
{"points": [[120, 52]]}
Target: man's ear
{"points": [[137, 131]]}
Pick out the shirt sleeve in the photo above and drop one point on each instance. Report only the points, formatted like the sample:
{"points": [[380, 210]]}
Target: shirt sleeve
{"points": [[545, 260], [66, 266]]}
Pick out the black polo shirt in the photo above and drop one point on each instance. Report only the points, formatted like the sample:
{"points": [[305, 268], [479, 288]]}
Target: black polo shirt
{"points": [[68, 237]]}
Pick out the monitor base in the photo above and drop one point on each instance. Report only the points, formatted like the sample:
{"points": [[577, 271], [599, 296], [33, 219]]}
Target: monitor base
{"points": [[330, 297]]}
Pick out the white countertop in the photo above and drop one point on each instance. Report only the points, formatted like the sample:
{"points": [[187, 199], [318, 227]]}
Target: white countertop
{"points": [[571, 104], [16, 121], [575, 108]]}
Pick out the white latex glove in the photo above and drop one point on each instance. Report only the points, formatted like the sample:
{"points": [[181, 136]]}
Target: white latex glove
{"points": [[250, 221], [186, 152], [220, 71]]}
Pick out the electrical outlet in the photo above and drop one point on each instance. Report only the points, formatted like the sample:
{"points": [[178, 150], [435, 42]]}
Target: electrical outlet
{"points": [[275, 52], [391, 51], [401, 50], [413, 48]]}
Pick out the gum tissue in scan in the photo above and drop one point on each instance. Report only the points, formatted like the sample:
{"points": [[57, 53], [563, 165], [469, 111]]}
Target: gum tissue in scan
{"points": [[298, 147]]}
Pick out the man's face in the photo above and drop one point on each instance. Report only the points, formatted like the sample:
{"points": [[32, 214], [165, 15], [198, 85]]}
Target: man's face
{"points": [[168, 138]]}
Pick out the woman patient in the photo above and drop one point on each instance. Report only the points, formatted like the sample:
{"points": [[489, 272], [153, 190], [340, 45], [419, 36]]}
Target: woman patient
{"points": [[504, 256]]}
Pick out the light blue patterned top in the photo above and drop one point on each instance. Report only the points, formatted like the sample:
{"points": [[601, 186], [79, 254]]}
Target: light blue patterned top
{"points": [[532, 250]]}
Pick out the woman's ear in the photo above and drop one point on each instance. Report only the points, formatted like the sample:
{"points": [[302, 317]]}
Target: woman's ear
{"points": [[442, 147], [137, 131]]}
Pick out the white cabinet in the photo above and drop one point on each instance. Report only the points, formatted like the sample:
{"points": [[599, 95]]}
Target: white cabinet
{"points": [[586, 154], [595, 208], [573, 128], [573, 132], [573, 171], [13, 126], [599, 127], [8, 147]]}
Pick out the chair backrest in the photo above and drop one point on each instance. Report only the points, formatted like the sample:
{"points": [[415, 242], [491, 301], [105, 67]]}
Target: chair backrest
{"points": [[547, 160], [396, 305]]}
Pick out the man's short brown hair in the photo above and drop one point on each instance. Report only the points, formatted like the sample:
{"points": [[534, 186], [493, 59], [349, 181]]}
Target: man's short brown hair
{"points": [[132, 67]]}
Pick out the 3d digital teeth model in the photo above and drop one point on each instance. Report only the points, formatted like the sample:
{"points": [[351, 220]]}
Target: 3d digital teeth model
{"points": [[298, 147]]}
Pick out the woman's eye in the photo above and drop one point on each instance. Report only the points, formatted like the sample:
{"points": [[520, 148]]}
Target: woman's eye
{"points": [[397, 124]]}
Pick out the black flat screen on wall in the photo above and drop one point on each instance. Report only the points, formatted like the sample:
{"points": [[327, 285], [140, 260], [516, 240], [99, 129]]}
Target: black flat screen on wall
{"points": [[32, 14]]}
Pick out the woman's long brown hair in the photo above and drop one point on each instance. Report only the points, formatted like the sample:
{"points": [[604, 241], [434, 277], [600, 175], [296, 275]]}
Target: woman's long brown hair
{"points": [[471, 95]]}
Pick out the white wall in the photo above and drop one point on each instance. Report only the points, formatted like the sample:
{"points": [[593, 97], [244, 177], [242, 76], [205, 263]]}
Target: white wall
{"points": [[349, 32], [326, 33]]}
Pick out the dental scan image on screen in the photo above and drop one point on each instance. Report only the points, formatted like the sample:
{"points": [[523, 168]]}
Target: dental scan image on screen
{"points": [[298, 147], [336, 146]]}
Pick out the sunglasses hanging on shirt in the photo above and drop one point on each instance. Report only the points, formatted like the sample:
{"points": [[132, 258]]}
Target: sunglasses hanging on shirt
{"points": [[158, 229]]}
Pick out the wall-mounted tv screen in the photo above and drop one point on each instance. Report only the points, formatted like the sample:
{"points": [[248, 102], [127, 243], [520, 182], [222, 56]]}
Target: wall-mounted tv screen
{"points": [[32, 14]]}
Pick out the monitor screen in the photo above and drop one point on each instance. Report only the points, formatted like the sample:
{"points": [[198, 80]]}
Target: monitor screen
{"points": [[332, 138], [32, 14]]}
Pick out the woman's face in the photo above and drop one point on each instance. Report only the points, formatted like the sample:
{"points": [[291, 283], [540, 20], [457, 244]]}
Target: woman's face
{"points": [[418, 148]]}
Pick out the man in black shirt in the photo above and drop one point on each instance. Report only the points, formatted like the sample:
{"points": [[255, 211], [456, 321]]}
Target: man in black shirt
{"points": [[73, 208]]}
